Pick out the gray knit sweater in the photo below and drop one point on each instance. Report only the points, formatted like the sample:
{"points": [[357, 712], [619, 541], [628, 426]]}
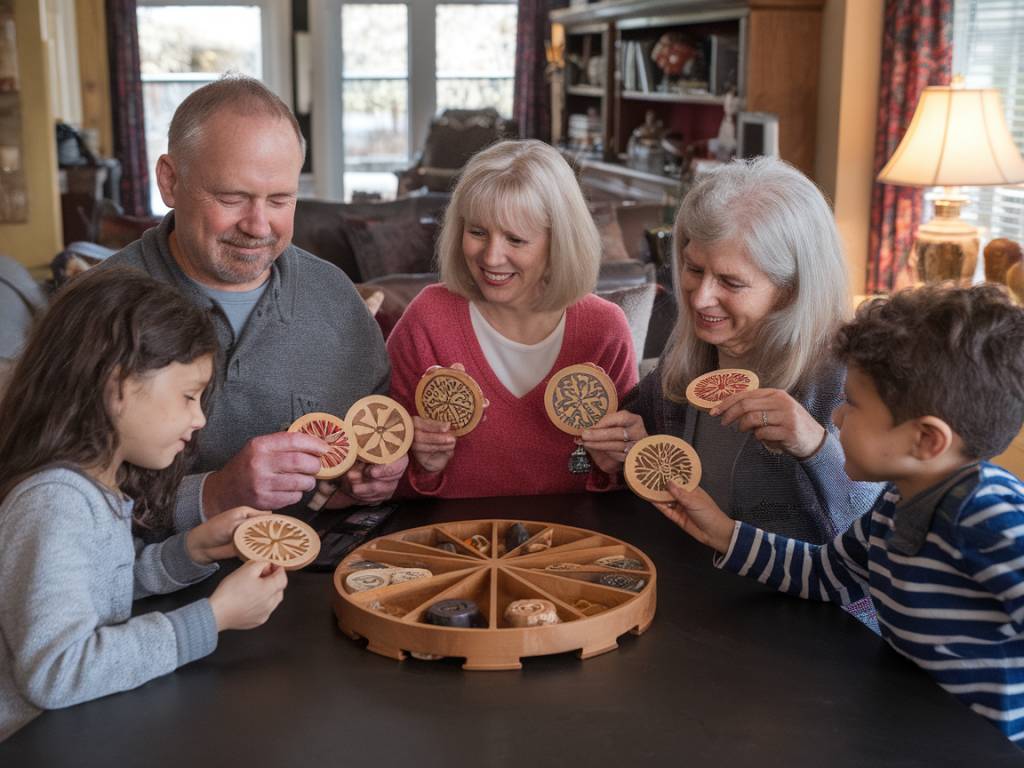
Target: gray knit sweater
{"points": [[811, 500], [70, 570], [310, 344]]}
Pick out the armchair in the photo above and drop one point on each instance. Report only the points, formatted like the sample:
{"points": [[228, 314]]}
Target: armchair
{"points": [[454, 137]]}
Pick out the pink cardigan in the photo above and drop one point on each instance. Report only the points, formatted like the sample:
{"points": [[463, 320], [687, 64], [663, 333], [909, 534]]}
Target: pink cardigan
{"points": [[515, 449]]}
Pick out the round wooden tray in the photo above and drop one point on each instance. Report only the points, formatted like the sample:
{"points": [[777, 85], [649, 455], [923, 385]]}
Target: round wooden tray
{"points": [[593, 615]]}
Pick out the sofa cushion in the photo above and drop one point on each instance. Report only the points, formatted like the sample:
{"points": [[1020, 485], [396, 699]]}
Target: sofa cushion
{"points": [[636, 301], [392, 246]]}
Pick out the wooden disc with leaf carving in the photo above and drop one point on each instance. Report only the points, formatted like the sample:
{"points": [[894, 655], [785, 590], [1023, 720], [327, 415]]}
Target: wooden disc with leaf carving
{"points": [[708, 390], [451, 395], [382, 427], [579, 396], [656, 459], [277, 539], [337, 434]]}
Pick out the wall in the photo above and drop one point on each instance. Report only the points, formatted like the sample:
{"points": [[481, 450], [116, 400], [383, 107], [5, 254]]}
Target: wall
{"points": [[36, 242], [94, 72], [847, 111]]}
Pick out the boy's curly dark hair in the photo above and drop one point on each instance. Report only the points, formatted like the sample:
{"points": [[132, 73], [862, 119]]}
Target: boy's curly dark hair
{"points": [[955, 353]]}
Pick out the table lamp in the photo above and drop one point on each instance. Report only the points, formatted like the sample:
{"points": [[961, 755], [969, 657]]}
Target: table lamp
{"points": [[957, 137]]}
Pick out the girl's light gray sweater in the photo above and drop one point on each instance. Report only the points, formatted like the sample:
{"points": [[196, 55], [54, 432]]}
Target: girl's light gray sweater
{"points": [[70, 569]]}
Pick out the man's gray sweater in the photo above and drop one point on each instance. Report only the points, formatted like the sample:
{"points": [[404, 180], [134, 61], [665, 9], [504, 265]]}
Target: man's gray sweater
{"points": [[310, 344]]}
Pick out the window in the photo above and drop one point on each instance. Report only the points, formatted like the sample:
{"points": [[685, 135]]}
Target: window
{"points": [[476, 49], [988, 50], [375, 88], [402, 62], [183, 46]]}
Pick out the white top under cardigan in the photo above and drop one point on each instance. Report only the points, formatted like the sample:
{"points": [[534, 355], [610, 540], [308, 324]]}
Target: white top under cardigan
{"points": [[519, 367]]}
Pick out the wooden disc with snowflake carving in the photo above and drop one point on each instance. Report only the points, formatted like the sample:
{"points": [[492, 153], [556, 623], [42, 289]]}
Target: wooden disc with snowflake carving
{"points": [[656, 459], [710, 389], [277, 539], [579, 396], [383, 429], [337, 434], [451, 395]]}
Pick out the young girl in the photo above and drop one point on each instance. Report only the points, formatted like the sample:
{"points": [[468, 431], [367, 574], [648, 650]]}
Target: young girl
{"points": [[94, 429]]}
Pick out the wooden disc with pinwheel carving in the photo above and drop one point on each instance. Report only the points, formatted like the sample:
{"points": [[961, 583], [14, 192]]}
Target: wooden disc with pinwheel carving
{"points": [[277, 539], [655, 460], [708, 390], [579, 396], [448, 394], [382, 428], [337, 434]]}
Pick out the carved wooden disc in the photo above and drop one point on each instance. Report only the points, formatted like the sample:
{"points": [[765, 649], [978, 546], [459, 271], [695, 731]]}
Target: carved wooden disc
{"points": [[277, 539], [448, 394], [336, 433], [579, 396], [383, 429], [708, 390], [651, 462]]}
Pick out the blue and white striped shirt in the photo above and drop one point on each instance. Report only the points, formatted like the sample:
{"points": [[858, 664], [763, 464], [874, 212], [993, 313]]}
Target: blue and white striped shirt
{"points": [[946, 577]]}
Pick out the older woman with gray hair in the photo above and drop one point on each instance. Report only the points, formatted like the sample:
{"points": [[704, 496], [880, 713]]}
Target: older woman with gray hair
{"points": [[761, 284]]}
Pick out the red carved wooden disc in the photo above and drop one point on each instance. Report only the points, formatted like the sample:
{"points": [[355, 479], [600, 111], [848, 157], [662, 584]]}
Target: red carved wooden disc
{"points": [[448, 394], [579, 396], [383, 429], [710, 389], [656, 459], [337, 434], [277, 539]]}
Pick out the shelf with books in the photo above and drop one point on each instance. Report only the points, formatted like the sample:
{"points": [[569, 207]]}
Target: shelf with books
{"points": [[678, 59]]}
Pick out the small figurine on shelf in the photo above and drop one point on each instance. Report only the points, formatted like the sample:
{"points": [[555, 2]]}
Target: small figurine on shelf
{"points": [[725, 144], [644, 151]]}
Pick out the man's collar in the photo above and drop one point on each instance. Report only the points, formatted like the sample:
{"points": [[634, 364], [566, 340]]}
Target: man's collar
{"points": [[913, 518]]}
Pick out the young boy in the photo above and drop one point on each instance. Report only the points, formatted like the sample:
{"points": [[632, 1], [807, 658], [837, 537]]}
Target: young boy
{"points": [[935, 384]]}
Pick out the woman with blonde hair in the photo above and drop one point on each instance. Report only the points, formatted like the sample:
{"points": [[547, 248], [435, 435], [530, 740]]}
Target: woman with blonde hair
{"points": [[519, 256], [761, 284]]}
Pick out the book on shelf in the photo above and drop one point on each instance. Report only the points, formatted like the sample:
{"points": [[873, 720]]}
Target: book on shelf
{"points": [[644, 66], [629, 66]]}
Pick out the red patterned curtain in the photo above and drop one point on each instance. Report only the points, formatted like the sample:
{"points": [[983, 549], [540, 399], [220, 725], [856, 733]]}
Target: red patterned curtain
{"points": [[126, 105], [917, 52], [531, 105]]}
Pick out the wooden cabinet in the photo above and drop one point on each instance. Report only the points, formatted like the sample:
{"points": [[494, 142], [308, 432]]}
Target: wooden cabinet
{"points": [[768, 50]]}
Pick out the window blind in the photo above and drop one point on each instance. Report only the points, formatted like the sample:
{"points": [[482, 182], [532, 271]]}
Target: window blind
{"points": [[988, 51]]}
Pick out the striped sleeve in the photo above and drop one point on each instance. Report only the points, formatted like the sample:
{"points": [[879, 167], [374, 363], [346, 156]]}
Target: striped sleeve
{"points": [[835, 572], [991, 544]]}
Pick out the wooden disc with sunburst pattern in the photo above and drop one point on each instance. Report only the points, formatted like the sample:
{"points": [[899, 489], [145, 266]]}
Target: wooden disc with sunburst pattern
{"points": [[579, 396], [711, 388], [277, 539], [451, 395], [337, 434], [383, 429], [656, 459]]}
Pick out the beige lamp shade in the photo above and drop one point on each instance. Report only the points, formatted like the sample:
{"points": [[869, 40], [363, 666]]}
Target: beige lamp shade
{"points": [[957, 138]]}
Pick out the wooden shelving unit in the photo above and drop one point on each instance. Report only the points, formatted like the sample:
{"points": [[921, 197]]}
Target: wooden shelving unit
{"points": [[777, 49]]}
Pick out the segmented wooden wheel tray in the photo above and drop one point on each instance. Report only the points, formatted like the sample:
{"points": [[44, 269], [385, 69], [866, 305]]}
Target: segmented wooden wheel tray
{"points": [[711, 388], [592, 614], [579, 396]]}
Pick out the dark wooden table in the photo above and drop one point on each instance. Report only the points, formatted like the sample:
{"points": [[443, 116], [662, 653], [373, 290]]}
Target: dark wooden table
{"points": [[729, 674]]}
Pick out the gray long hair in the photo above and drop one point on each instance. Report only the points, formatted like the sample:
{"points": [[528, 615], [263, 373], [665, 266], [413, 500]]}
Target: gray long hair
{"points": [[787, 230]]}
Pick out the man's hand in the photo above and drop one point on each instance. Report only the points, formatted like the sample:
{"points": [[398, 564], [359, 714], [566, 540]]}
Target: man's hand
{"points": [[270, 472], [368, 483]]}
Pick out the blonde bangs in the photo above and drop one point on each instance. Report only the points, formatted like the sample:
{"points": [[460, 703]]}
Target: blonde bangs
{"points": [[504, 202]]}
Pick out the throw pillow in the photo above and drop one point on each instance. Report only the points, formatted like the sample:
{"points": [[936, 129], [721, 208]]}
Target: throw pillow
{"points": [[391, 247], [637, 302]]}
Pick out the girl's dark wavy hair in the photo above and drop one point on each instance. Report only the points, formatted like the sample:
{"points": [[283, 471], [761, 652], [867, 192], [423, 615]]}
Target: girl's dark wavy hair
{"points": [[111, 323]]}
